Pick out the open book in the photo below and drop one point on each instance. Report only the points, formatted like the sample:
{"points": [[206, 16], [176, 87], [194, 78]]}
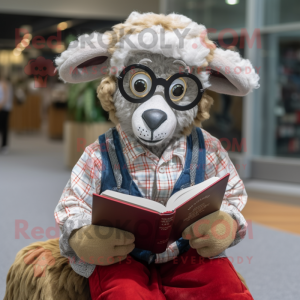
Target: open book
{"points": [[154, 225]]}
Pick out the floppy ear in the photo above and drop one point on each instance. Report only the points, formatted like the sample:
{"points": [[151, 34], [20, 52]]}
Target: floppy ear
{"points": [[231, 74], [85, 59]]}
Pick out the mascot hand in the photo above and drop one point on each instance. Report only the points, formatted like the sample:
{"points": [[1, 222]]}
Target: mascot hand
{"points": [[212, 234], [101, 245]]}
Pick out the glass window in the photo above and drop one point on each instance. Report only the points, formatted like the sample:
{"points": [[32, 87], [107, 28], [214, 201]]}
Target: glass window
{"points": [[281, 83], [226, 114], [216, 14], [281, 11]]}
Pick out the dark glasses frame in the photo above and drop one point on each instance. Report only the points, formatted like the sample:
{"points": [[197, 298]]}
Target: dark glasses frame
{"points": [[166, 83]]}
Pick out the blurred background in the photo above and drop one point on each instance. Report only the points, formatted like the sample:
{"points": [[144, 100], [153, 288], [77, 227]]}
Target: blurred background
{"points": [[46, 124]]}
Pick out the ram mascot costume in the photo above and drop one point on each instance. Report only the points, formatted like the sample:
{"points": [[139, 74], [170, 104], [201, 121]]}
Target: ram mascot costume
{"points": [[154, 71]]}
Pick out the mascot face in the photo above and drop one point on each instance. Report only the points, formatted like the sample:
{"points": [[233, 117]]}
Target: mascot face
{"points": [[153, 121], [155, 70]]}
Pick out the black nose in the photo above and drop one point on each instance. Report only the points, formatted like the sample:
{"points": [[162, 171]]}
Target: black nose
{"points": [[154, 118]]}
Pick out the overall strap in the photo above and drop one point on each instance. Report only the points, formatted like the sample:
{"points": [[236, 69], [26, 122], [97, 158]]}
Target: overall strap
{"points": [[190, 174], [195, 156], [108, 180], [111, 149], [116, 166], [201, 164]]}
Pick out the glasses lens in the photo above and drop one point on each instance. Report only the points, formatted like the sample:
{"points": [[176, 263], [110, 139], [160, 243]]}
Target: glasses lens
{"points": [[183, 91], [177, 89], [137, 83]]}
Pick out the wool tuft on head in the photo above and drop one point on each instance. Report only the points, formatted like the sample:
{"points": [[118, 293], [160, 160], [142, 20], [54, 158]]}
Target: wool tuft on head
{"points": [[154, 71]]}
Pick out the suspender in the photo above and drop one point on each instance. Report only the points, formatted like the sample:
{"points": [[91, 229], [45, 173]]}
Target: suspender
{"points": [[113, 157], [111, 148]]}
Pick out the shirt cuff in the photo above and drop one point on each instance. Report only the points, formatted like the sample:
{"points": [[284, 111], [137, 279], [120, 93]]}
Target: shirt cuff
{"points": [[241, 222], [82, 268], [171, 252]]}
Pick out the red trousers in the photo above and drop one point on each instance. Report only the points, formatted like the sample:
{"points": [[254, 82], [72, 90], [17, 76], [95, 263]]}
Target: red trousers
{"points": [[187, 277]]}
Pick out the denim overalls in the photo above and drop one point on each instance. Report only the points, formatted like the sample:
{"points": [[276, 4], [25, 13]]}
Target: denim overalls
{"points": [[115, 175]]}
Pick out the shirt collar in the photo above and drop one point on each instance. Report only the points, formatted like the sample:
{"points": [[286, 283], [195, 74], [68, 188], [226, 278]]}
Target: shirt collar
{"points": [[178, 148], [132, 149]]}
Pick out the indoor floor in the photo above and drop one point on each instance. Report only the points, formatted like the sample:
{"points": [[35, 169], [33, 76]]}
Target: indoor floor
{"points": [[32, 177]]}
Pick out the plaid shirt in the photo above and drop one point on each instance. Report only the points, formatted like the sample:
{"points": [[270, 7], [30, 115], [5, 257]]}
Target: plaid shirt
{"points": [[76, 200]]}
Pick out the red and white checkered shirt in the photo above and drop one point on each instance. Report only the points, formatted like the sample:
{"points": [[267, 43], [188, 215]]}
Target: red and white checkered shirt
{"points": [[76, 200]]}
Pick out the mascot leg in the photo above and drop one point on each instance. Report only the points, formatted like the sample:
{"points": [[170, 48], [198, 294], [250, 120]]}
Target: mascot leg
{"points": [[39, 272], [191, 275], [128, 279], [187, 277]]}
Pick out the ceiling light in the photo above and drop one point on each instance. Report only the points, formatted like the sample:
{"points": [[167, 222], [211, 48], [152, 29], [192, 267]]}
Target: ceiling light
{"points": [[26, 28], [21, 47], [16, 52], [25, 42], [232, 2], [59, 48], [62, 26], [27, 36], [16, 59]]}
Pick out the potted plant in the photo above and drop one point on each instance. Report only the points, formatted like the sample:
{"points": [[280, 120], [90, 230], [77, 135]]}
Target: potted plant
{"points": [[86, 120]]}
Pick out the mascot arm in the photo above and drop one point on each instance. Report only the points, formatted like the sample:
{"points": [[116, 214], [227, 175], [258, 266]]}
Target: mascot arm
{"points": [[216, 232], [73, 215]]}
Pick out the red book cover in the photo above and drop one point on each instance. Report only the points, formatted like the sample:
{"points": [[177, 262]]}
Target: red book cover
{"points": [[154, 231]]}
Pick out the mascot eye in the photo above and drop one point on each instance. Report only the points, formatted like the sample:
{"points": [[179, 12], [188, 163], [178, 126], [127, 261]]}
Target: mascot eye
{"points": [[140, 84], [177, 89]]}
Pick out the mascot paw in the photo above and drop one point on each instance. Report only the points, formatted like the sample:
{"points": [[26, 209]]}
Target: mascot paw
{"points": [[101, 245], [212, 234]]}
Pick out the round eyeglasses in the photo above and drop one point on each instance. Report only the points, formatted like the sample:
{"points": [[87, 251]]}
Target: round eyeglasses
{"points": [[137, 84]]}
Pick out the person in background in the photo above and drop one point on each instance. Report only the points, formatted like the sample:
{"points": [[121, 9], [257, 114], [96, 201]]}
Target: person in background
{"points": [[6, 101]]}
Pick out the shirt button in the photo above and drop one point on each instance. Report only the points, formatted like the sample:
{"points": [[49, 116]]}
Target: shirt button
{"points": [[162, 202], [162, 170]]}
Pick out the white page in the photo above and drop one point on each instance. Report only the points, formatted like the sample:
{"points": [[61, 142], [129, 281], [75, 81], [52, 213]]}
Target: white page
{"points": [[176, 200], [182, 196], [138, 201]]}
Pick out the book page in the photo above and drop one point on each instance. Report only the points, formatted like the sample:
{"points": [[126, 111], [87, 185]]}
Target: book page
{"points": [[138, 201], [184, 195]]}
